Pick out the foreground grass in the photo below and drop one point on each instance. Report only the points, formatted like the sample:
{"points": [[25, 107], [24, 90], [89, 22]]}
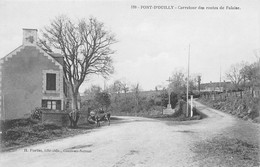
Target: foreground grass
{"points": [[227, 152], [25, 132]]}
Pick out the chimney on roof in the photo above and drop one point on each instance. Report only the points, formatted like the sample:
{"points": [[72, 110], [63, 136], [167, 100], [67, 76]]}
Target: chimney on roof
{"points": [[29, 36]]}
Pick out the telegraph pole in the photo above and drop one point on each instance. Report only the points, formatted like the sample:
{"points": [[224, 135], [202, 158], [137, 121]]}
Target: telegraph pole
{"points": [[169, 93], [187, 114], [220, 84]]}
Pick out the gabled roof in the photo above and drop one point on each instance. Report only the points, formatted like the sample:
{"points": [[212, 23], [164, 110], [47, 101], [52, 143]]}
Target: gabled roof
{"points": [[9, 55], [53, 58], [58, 57]]}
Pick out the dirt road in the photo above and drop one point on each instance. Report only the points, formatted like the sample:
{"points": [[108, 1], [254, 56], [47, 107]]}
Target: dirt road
{"points": [[134, 142]]}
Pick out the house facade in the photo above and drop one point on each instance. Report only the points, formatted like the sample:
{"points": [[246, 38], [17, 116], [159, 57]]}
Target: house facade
{"points": [[30, 78], [214, 86]]}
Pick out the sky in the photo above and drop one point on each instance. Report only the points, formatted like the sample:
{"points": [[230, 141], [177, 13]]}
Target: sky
{"points": [[154, 38]]}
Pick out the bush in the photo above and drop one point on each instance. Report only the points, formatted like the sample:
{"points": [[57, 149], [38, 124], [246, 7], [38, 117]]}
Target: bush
{"points": [[57, 132], [9, 124], [36, 114], [12, 134]]}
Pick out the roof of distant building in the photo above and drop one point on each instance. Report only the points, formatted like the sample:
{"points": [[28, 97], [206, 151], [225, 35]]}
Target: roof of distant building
{"points": [[215, 83]]}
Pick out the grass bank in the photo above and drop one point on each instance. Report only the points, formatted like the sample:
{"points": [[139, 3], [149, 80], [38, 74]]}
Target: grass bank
{"points": [[227, 152], [246, 107]]}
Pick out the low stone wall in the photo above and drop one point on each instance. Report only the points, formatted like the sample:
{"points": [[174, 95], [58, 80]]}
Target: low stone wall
{"points": [[58, 118], [62, 118]]}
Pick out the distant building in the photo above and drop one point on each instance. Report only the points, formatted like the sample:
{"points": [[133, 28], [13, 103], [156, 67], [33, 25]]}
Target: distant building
{"points": [[30, 78], [214, 86]]}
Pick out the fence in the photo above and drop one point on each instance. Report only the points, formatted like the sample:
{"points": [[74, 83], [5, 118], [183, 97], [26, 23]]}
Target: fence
{"points": [[224, 95]]}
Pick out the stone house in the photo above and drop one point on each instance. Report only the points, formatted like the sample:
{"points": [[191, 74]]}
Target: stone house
{"points": [[30, 78]]}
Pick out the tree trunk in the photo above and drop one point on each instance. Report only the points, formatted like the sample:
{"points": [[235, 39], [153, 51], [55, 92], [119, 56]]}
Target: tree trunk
{"points": [[74, 114], [125, 98], [74, 100]]}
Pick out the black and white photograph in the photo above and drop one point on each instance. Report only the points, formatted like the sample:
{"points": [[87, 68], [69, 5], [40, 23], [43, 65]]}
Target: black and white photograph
{"points": [[130, 83]]}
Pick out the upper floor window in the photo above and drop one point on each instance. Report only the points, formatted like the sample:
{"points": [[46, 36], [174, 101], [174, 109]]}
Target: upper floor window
{"points": [[50, 81]]}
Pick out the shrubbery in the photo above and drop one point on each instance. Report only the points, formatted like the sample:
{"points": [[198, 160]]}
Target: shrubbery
{"points": [[148, 102], [136, 102]]}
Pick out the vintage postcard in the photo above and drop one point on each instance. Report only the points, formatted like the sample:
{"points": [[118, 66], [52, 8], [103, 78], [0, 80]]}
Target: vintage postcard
{"points": [[113, 83]]}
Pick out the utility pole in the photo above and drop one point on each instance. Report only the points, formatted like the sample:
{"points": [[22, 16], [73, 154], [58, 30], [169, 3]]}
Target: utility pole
{"points": [[220, 84], [191, 105], [169, 93], [199, 80], [187, 114]]}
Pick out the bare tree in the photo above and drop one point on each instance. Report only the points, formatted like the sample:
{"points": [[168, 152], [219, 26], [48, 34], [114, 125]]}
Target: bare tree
{"points": [[250, 74], [234, 74], [85, 46], [125, 88]]}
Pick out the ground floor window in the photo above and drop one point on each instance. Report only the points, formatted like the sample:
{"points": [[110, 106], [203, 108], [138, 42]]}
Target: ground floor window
{"points": [[52, 104]]}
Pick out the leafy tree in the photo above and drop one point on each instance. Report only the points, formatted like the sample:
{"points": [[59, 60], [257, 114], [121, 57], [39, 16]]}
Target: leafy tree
{"points": [[174, 99], [86, 48], [96, 98], [193, 83], [92, 91], [136, 91], [178, 85], [178, 82], [88, 100], [103, 99], [199, 82], [115, 89], [164, 97]]}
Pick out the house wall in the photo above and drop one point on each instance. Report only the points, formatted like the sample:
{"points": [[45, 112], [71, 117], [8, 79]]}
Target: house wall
{"points": [[22, 82], [1, 98]]}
